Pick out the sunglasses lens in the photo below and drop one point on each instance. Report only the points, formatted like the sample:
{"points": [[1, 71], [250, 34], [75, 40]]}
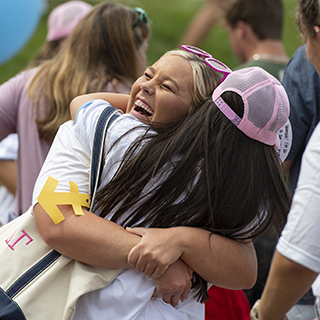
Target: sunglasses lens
{"points": [[217, 65]]}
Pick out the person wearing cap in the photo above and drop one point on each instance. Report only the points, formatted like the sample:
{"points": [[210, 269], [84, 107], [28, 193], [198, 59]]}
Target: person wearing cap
{"points": [[60, 23], [296, 264], [216, 155], [106, 51]]}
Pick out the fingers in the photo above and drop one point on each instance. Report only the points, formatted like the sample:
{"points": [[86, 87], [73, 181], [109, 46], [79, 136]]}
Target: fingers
{"points": [[172, 298], [148, 264], [158, 271], [169, 297], [186, 292]]}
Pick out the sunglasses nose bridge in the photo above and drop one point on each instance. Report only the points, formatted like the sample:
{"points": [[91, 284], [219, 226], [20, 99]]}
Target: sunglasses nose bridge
{"points": [[197, 51]]}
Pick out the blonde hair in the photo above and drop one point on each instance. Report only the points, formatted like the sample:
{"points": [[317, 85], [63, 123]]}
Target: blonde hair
{"points": [[103, 47], [205, 79]]}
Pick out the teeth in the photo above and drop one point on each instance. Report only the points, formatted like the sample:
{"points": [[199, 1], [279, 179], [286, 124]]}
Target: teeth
{"points": [[143, 106]]}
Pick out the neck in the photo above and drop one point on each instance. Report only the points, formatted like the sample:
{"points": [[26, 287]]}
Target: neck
{"points": [[269, 50]]}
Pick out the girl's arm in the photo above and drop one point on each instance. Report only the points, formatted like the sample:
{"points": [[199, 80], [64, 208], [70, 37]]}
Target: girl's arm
{"points": [[8, 175], [99, 242], [102, 243], [88, 238], [219, 260], [117, 100]]}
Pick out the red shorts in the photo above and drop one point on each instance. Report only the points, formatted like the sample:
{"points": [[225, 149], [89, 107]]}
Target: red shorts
{"points": [[225, 304]]}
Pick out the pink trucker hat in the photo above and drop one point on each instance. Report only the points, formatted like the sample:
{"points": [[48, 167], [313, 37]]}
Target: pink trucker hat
{"points": [[63, 19], [266, 106]]}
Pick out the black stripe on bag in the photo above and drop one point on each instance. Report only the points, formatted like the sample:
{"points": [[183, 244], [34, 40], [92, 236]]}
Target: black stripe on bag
{"points": [[9, 309], [107, 116], [32, 273]]}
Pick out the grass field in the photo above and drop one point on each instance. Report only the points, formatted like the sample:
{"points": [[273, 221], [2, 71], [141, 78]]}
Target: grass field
{"points": [[169, 18]]}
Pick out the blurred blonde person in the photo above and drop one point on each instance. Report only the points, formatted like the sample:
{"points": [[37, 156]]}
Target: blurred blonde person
{"points": [[61, 21], [106, 51]]}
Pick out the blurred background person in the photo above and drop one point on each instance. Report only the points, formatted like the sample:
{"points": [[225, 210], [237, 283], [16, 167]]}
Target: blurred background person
{"points": [[61, 21], [255, 30], [106, 51]]}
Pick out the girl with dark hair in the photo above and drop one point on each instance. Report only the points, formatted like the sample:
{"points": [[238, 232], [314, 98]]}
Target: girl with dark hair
{"points": [[190, 166]]}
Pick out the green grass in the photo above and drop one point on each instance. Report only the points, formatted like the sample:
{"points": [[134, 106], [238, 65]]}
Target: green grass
{"points": [[169, 18]]}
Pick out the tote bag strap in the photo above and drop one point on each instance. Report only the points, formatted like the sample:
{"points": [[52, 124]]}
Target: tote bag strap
{"points": [[107, 116]]}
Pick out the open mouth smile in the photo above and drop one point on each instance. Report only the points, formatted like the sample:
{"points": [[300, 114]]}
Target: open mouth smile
{"points": [[143, 108]]}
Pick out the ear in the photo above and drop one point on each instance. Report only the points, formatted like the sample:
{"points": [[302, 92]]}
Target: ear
{"points": [[241, 29], [317, 31]]}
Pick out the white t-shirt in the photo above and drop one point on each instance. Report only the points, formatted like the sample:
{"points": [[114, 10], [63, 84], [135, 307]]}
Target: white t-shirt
{"points": [[8, 151], [300, 240], [128, 297]]}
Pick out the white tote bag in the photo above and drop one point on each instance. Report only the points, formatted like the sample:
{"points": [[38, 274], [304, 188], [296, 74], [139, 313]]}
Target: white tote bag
{"points": [[37, 282]]}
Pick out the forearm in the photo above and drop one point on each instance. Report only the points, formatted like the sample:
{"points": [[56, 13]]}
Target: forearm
{"points": [[287, 282], [8, 175], [117, 100], [88, 238], [219, 260]]}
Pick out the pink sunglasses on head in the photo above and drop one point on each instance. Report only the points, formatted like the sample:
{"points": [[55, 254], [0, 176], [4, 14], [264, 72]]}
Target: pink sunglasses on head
{"points": [[212, 62]]}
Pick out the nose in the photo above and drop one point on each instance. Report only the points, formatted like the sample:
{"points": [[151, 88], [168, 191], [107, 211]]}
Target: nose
{"points": [[147, 87]]}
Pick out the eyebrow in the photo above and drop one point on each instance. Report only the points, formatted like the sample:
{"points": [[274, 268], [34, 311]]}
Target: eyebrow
{"points": [[166, 78]]}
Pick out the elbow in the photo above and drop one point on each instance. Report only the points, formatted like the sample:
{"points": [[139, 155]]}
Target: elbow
{"points": [[49, 235], [251, 276], [49, 232], [250, 280], [246, 280], [248, 273], [251, 267], [74, 106]]}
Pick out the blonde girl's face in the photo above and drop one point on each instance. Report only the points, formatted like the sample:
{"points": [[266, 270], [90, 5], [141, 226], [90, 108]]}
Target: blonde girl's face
{"points": [[163, 93]]}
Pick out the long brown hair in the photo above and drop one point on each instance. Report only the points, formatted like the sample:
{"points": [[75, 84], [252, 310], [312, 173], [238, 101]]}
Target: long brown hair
{"points": [[103, 47], [201, 172]]}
